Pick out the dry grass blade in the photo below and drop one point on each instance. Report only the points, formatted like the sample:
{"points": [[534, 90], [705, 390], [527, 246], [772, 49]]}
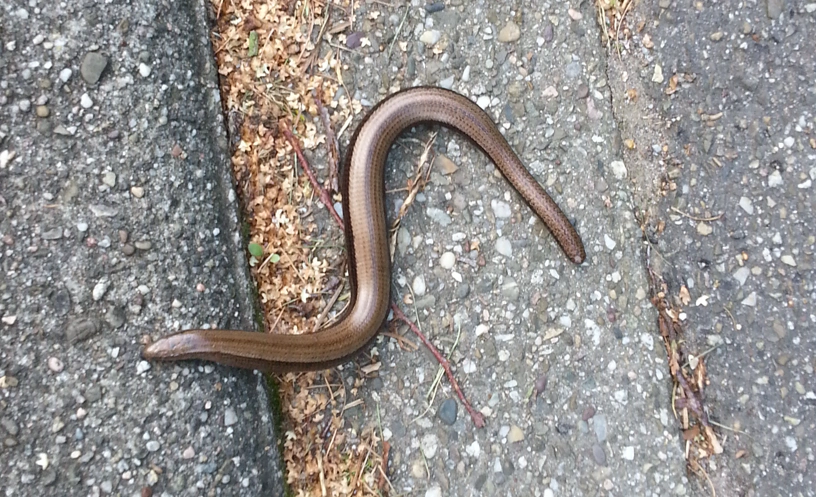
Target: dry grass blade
{"points": [[418, 182]]}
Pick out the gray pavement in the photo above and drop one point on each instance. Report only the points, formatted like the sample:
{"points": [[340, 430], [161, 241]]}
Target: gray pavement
{"points": [[118, 221], [603, 424], [740, 142]]}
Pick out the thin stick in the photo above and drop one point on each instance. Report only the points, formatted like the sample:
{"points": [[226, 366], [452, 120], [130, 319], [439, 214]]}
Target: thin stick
{"points": [[277, 320], [324, 197], [331, 141], [386, 448], [724, 427], [396, 34], [431, 395], [710, 483], [477, 417], [733, 321], [702, 354], [715, 218], [432, 392], [322, 316], [322, 476]]}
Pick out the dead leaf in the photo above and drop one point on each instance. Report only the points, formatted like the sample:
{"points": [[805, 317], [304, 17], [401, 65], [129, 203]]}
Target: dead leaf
{"points": [[685, 298]]}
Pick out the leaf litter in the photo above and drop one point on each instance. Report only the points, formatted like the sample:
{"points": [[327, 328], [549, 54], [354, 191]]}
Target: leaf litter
{"points": [[271, 67]]}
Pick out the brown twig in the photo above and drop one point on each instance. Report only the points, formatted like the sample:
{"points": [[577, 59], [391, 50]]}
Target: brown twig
{"points": [[383, 467], [324, 196], [476, 416], [331, 141]]}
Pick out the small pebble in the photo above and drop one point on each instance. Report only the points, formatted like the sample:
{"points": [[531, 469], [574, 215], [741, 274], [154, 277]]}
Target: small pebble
{"points": [[144, 70], [504, 247], [55, 365], [434, 7], [438, 216], [99, 290], [741, 275], [599, 422], [750, 300], [429, 444], [447, 411], [510, 289], [515, 434], [430, 37], [501, 209], [599, 455], [583, 91], [153, 446], [448, 260], [418, 285], [52, 234], [230, 418], [434, 491], [509, 33], [85, 101], [746, 205], [775, 8], [92, 66], [137, 191], [618, 169], [657, 77], [65, 75], [788, 260], [109, 178]]}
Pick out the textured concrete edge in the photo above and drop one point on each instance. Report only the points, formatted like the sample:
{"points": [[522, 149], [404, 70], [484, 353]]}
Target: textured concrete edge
{"points": [[268, 400]]}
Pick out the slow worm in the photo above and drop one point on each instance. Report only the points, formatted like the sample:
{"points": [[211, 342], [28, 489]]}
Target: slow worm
{"points": [[362, 186]]}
